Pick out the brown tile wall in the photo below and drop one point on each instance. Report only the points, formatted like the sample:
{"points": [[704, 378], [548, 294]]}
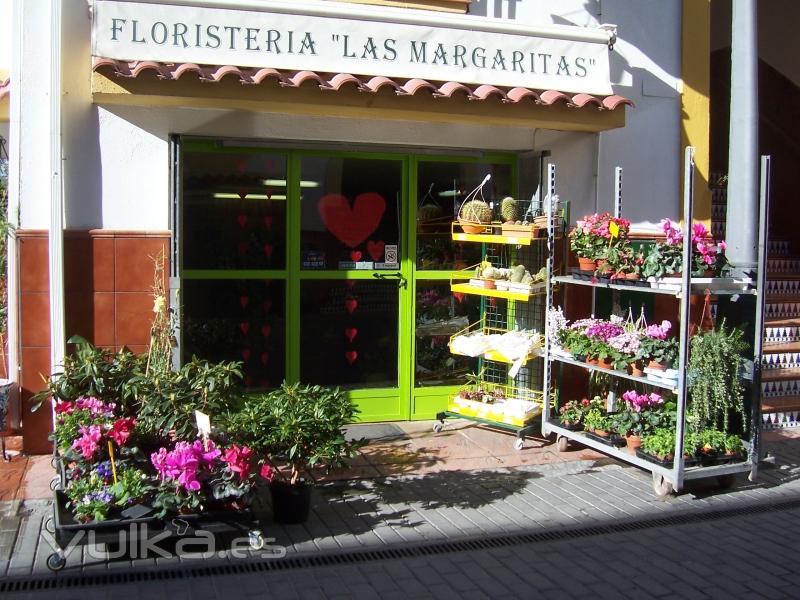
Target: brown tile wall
{"points": [[108, 276]]}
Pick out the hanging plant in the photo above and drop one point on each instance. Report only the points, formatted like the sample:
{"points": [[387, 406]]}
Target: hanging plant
{"points": [[715, 388]]}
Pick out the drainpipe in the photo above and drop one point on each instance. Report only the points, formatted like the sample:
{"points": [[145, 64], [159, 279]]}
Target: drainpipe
{"points": [[742, 211], [56, 233]]}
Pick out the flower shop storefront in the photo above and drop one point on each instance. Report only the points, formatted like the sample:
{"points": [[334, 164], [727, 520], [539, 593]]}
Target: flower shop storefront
{"points": [[327, 258]]}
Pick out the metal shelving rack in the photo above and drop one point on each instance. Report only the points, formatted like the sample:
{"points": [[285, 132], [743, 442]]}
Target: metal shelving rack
{"points": [[505, 310], [668, 479]]}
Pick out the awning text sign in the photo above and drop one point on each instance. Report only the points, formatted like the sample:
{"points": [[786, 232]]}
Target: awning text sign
{"points": [[175, 34]]}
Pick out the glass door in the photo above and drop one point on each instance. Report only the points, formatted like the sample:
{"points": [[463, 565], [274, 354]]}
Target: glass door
{"points": [[330, 268], [353, 280]]}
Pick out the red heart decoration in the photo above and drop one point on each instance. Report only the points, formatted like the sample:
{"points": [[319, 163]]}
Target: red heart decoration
{"points": [[268, 250], [459, 296], [244, 327], [350, 282], [244, 301], [248, 381], [243, 247], [264, 358], [263, 382], [375, 249], [266, 329], [242, 220], [267, 305], [268, 222], [350, 333], [351, 225], [355, 255], [351, 356], [351, 304], [246, 354]]}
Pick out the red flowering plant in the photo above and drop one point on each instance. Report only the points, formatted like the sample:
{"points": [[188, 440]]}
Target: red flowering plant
{"points": [[593, 234], [199, 475]]}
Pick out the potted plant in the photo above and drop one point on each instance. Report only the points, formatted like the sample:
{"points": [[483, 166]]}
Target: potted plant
{"points": [[593, 234], [626, 345], [572, 414], [666, 258], [305, 432], [641, 414], [655, 349], [597, 421], [714, 385]]}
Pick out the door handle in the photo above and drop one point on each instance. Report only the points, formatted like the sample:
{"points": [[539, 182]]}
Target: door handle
{"points": [[399, 276]]}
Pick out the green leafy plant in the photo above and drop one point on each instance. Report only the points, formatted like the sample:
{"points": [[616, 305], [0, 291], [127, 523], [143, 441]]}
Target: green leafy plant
{"points": [[663, 351], [168, 401], [95, 372], [660, 443], [712, 441], [306, 429], [597, 419], [715, 388], [574, 411], [132, 486]]}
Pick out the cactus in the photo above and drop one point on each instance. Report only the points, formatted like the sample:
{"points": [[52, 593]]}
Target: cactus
{"points": [[509, 209], [476, 211], [429, 212]]}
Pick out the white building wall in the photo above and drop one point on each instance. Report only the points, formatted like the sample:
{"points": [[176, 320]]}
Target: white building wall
{"points": [[117, 157], [34, 163]]}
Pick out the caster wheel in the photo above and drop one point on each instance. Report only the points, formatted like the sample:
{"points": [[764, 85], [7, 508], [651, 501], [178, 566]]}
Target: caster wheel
{"points": [[56, 561], [55, 483], [519, 443], [49, 526], [54, 462], [562, 443], [438, 426], [725, 482], [256, 540], [661, 487]]}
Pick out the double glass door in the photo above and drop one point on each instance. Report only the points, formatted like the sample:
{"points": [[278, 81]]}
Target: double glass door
{"points": [[330, 269]]}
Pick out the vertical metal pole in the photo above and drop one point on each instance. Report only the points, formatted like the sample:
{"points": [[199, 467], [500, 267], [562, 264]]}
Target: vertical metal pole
{"points": [[616, 307], [56, 233], [761, 290], [174, 256], [742, 209], [683, 354], [547, 375]]}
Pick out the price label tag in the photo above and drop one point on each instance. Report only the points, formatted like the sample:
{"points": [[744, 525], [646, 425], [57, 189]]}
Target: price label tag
{"points": [[203, 423], [613, 229]]}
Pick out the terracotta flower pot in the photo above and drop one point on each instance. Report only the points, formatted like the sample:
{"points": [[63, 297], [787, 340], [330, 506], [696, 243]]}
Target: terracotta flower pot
{"points": [[601, 432], [633, 442], [586, 264], [635, 369], [657, 366], [604, 363], [471, 226], [632, 276]]}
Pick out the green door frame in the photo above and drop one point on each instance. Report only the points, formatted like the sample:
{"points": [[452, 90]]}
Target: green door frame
{"points": [[410, 402]]}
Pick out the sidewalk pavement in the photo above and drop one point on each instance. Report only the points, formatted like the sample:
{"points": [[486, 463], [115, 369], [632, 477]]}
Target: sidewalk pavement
{"points": [[416, 501]]}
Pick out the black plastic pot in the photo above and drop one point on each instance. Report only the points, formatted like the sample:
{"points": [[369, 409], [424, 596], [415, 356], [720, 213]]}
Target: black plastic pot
{"points": [[290, 503]]}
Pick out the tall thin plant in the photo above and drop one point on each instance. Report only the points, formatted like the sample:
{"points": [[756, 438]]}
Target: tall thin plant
{"points": [[714, 383]]}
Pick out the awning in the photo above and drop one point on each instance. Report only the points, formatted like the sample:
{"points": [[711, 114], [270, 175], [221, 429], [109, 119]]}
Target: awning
{"points": [[315, 93], [335, 82]]}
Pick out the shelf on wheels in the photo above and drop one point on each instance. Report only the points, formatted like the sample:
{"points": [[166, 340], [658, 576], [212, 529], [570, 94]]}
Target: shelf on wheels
{"points": [[516, 412], [492, 340], [671, 476]]}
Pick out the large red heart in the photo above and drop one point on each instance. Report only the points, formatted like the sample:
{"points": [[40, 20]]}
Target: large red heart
{"points": [[351, 304], [350, 333], [351, 356], [375, 249], [352, 225], [355, 255]]}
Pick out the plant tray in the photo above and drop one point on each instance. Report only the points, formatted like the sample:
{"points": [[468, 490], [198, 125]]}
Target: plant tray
{"points": [[687, 461], [486, 284], [216, 522], [611, 440], [529, 231], [511, 412], [571, 426]]}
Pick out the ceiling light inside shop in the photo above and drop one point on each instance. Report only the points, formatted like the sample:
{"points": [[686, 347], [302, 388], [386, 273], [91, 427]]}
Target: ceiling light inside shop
{"points": [[282, 183], [229, 196]]}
